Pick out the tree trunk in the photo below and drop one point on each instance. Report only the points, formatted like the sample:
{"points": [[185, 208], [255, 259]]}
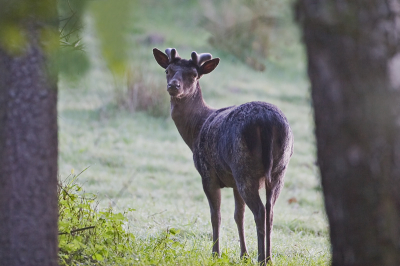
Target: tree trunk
{"points": [[28, 152], [354, 68]]}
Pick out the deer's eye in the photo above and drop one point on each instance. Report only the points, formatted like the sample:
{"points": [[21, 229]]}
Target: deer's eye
{"points": [[166, 71]]}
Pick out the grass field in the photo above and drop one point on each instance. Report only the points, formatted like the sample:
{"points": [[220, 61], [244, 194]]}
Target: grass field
{"points": [[139, 161]]}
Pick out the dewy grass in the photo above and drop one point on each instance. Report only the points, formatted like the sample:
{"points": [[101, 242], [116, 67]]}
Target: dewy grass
{"points": [[90, 236]]}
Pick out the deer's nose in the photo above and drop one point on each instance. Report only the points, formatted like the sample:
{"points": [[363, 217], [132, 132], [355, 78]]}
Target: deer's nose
{"points": [[174, 85]]}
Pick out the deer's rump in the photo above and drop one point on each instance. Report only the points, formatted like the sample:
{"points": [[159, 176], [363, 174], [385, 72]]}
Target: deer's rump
{"points": [[252, 139]]}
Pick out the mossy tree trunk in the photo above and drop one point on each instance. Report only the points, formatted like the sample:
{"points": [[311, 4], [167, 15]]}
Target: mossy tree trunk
{"points": [[28, 138], [353, 50]]}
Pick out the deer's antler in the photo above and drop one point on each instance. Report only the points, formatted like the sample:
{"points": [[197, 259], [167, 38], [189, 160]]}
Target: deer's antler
{"points": [[199, 59], [172, 54]]}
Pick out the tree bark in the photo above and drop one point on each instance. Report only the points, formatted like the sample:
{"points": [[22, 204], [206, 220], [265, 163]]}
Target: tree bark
{"points": [[28, 152], [354, 68]]}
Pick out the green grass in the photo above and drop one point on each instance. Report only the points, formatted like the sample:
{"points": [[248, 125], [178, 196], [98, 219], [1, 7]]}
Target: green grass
{"points": [[138, 161]]}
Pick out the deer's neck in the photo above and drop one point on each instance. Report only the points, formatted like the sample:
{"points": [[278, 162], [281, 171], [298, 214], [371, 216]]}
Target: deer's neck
{"points": [[189, 115]]}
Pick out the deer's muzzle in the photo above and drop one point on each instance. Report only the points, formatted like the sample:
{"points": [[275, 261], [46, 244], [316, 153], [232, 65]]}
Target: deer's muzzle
{"points": [[173, 88]]}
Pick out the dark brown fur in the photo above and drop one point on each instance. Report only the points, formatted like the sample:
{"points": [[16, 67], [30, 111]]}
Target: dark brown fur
{"points": [[244, 147]]}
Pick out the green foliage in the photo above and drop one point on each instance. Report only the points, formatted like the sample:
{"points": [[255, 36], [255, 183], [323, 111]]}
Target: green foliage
{"points": [[72, 59], [71, 15], [72, 62], [88, 235], [19, 19], [110, 19]]}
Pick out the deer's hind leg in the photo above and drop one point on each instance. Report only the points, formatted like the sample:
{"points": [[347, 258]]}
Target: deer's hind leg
{"points": [[248, 190], [272, 195]]}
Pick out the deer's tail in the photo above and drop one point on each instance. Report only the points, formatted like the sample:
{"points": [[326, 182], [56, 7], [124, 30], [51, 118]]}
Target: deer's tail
{"points": [[267, 138]]}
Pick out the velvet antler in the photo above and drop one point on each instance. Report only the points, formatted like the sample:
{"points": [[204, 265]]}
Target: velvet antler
{"points": [[172, 54], [199, 59]]}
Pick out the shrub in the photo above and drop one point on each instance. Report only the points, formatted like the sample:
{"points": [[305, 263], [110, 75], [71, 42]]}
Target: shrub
{"points": [[88, 235]]}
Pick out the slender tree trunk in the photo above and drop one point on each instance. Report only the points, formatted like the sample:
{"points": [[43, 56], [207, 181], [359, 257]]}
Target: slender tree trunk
{"points": [[354, 68], [28, 152]]}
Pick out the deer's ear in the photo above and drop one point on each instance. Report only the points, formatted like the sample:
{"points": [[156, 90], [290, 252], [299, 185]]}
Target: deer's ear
{"points": [[161, 58], [209, 66]]}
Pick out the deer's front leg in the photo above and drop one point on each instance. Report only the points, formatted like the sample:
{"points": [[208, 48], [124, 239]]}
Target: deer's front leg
{"points": [[239, 219], [213, 193]]}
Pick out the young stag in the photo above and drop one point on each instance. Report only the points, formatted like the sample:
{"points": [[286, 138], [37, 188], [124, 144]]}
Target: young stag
{"points": [[244, 147]]}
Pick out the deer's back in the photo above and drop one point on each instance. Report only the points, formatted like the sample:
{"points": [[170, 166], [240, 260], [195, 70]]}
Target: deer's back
{"points": [[238, 138]]}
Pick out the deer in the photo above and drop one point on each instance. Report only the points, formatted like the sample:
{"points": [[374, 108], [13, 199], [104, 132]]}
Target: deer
{"points": [[246, 147]]}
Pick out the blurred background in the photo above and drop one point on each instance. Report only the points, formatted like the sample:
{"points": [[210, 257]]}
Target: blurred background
{"points": [[114, 114]]}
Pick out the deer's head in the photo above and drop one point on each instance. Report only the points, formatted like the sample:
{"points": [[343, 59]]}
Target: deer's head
{"points": [[182, 74]]}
